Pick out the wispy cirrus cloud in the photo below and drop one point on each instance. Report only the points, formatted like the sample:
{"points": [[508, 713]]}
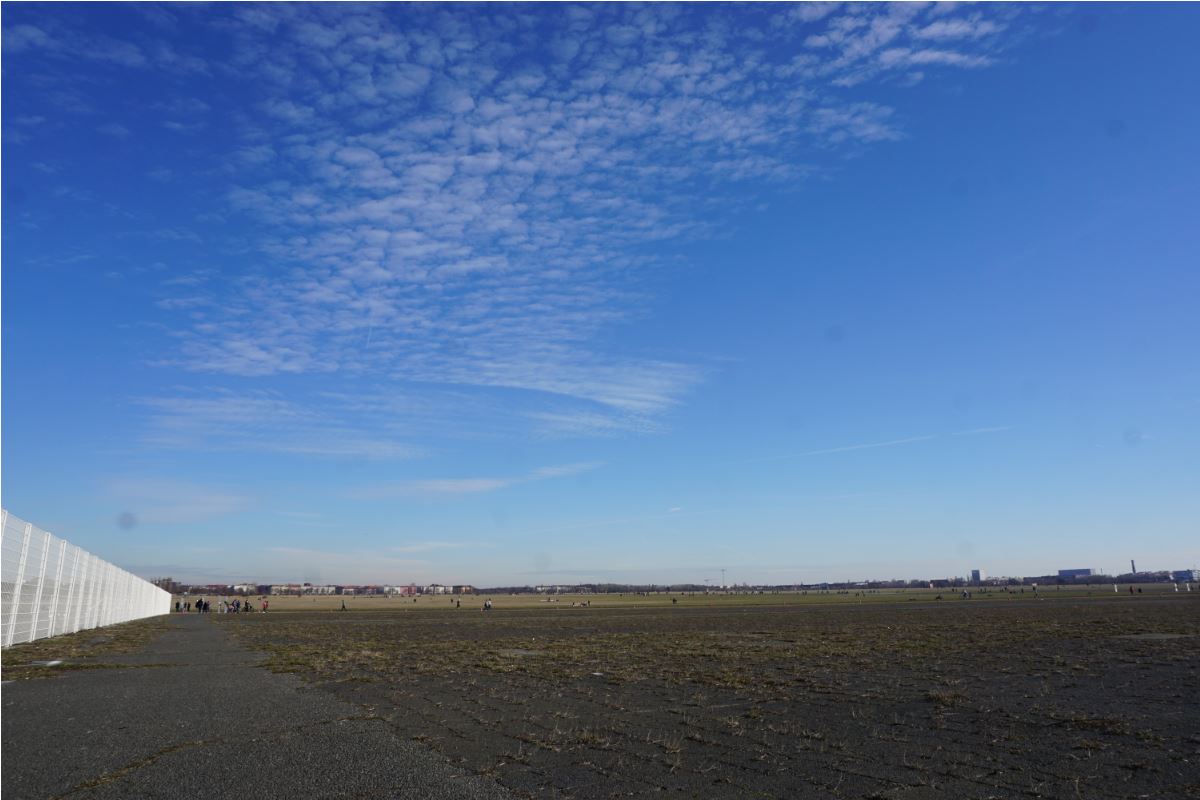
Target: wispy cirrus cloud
{"points": [[426, 547], [452, 487], [156, 501], [265, 421], [342, 565], [886, 443], [982, 431]]}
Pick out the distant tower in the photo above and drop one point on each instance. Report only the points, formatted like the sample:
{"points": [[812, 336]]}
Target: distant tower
{"points": [[1132, 567]]}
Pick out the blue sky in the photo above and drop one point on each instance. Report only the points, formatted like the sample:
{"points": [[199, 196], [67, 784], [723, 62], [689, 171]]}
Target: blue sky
{"points": [[515, 294]]}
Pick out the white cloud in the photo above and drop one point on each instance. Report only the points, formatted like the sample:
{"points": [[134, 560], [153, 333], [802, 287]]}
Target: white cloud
{"points": [[431, 205], [445, 487], [261, 421], [973, 28], [980, 431], [904, 57], [115, 130], [491, 235], [334, 566], [887, 443], [156, 501], [425, 547]]}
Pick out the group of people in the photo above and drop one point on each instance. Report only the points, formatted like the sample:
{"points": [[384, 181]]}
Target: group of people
{"points": [[202, 606]]}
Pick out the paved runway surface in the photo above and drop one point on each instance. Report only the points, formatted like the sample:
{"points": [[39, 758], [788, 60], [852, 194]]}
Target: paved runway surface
{"points": [[205, 722]]}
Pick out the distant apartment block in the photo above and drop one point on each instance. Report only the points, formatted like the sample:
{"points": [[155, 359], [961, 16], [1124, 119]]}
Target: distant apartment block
{"points": [[437, 588], [1186, 575], [1072, 574], [978, 576]]}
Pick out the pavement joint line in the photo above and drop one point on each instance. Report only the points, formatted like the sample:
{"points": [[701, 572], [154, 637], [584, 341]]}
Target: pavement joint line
{"points": [[117, 774], [121, 772], [211, 667]]}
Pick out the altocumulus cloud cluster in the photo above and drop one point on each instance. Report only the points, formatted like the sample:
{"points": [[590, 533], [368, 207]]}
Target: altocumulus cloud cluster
{"points": [[471, 196]]}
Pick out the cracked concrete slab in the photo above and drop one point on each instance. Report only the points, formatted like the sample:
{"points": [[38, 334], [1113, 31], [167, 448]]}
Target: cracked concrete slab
{"points": [[205, 719]]}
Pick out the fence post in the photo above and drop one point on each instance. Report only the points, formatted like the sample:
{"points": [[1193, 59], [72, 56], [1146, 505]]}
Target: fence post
{"points": [[93, 618], [69, 614], [101, 593], [37, 597], [89, 588], [17, 585], [62, 556], [110, 596]]}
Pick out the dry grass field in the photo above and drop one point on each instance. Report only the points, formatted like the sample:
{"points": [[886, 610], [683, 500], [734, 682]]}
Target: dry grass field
{"points": [[1072, 694], [84, 650], [291, 603]]}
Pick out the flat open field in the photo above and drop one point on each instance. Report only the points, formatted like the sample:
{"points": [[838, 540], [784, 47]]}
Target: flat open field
{"points": [[659, 599], [875, 696]]}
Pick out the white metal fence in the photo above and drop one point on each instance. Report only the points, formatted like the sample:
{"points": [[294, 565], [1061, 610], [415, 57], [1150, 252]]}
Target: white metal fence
{"points": [[49, 586]]}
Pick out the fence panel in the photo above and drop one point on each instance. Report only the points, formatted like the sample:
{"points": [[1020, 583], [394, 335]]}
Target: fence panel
{"points": [[48, 587]]}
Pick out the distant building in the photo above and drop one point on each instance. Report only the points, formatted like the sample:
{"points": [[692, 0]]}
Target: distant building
{"points": [[168, 584], [978, 576], [1186, 575], [1072, 574]]}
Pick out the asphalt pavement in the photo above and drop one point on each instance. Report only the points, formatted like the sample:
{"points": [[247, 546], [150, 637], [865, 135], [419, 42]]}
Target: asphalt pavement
{"points": [[191, 715]]}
